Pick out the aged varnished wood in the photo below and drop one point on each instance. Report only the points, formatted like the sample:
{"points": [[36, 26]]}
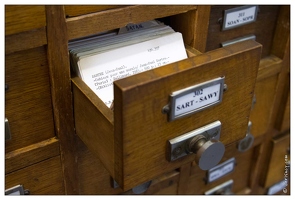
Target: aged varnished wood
{"points": [[265, 90], [30, 154], [263, 28], [76, 10], [42, 178], [61, 95], [189, 24], [241, 175], [25, 40], [280, 49], [94, 23], [21, 18], [95, 109], [83, 172], [28, 100], [139, 123], [276, 167]]}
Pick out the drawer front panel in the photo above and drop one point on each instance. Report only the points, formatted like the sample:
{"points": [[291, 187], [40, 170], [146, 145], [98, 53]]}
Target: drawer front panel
{"points": [[240, 175], [28, 106], [40, 179], [278, 161], [286, 118], [93, 176], [142, 130], [263, 28], [75, 10], [261, 113], [20, 18]]}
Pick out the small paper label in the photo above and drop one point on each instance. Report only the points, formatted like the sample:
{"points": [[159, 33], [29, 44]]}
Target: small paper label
{"points": [[196, 98], [239, 16], [221, 170]]}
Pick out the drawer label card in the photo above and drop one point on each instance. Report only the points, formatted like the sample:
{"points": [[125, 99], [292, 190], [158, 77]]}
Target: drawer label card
{"points": [[239, 16], [221, 170], [195, 98]]}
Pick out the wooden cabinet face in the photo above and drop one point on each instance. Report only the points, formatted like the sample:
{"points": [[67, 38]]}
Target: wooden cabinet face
{"points": [[280, 154], [263, 28], [264, 96], [40, 179], [28, 106], [21, 18], [77, 10], [241, 173]]}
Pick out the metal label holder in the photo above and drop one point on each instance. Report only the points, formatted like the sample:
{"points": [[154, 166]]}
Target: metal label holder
{"points": [[195, 98]]}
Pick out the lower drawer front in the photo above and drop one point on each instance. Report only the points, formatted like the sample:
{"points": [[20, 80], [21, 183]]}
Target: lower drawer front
{"points": [[95, 180], [166, 184], [240, 175], [279, 161], [40, 179]]}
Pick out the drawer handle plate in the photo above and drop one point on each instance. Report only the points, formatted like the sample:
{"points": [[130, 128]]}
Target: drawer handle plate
{"points": [[177, 147], [17, 190], [224, 188]]}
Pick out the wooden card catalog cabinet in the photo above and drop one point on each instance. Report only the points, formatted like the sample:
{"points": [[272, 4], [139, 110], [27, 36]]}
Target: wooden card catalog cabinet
{"points": [[131, 140]]}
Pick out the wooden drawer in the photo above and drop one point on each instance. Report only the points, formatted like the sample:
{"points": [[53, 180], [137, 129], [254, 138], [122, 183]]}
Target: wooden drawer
{"points": [[280, 154], [166, 184], [95, 179], [94, 23], [28, 106], [131, 141], [263, 28], [286, 118], [241, 173], [21, 18], [42, 178], [265, 91], [76, 10]]}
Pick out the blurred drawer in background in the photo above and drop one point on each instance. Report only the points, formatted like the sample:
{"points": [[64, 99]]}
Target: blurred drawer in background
{"points": [[236, 166], [279, 161], [264, 94], [263, 28]]}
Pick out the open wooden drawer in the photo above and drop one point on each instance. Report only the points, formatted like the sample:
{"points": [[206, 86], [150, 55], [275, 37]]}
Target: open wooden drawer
{"points": [[131, 141]]}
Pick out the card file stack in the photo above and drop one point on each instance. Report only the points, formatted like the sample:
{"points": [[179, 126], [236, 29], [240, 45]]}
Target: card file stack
{"points": [[100, 60]]}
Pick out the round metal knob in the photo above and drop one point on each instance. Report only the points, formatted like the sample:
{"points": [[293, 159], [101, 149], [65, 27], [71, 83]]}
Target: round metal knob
{"points": [[208, 152]]}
